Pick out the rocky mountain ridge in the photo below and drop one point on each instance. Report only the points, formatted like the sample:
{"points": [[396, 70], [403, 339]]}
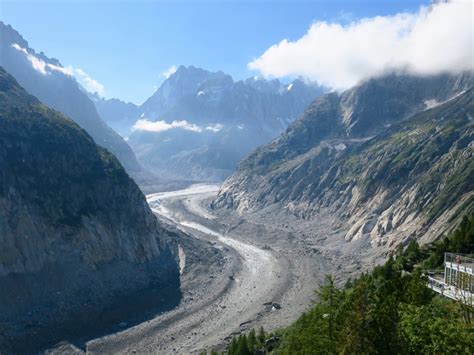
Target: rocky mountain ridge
{"points": [[392, 158], [201, 96], [54, 85], [199, 124]]}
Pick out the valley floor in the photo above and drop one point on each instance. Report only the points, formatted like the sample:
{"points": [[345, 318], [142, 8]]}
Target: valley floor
{"points": [[238, 272]]}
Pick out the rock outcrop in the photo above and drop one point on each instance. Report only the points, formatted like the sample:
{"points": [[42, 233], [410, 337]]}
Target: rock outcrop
{"points": [[77, 236]]}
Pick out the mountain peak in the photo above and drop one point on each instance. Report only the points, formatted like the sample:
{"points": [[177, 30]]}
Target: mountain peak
{"points": [[264, 85], [10, 35], [185, 81], [192, 73]]}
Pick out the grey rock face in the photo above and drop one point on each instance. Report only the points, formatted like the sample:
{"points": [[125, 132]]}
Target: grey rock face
{"points": [[46, 79], [76, 233], [184, 84], [225, 121], [388, 166]]}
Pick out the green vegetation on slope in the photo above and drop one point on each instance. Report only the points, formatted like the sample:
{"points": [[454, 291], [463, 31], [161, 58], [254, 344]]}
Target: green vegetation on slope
{"points": [[387, 311], [431, 151], [52, 162]]}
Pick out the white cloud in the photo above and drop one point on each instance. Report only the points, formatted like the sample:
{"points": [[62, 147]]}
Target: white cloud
{"points": [[436, 39], [88, 83], [214, 127], [170, 71], [44, 68], [161, 126], [40, 65], [37, 64], [144, 124], [65, 70]]}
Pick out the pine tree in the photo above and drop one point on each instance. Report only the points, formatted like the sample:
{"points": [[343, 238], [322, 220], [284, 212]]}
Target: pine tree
{"points": [[356, 338], [233, 347], [252, 341], [242, 347], [261, 337], [330, 300]]}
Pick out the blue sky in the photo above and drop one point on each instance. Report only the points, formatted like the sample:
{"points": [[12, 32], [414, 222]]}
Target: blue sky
{"points": [[127, 45]]}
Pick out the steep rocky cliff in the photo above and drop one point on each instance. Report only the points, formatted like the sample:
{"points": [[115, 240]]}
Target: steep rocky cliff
{"points": [[367, 156], [76, 233], [55, 85]]}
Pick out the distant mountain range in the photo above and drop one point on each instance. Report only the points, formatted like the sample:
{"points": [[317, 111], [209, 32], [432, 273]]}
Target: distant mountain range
{"points": [[392, 158], [199, 124], [50, 82], [119, 115], [76, 233], [196, 126]]}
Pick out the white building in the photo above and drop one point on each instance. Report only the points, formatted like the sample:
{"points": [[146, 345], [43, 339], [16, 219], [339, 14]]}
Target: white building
{"points": [[457, 280]]}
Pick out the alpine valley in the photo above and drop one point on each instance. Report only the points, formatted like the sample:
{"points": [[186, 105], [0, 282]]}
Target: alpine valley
{"points": [[323, 205]]}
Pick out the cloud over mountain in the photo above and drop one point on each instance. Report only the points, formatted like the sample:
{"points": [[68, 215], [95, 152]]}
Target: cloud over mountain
{"points": [[170, 71], [88, 82], [161, 126], [44, 68], [436, 39]]}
